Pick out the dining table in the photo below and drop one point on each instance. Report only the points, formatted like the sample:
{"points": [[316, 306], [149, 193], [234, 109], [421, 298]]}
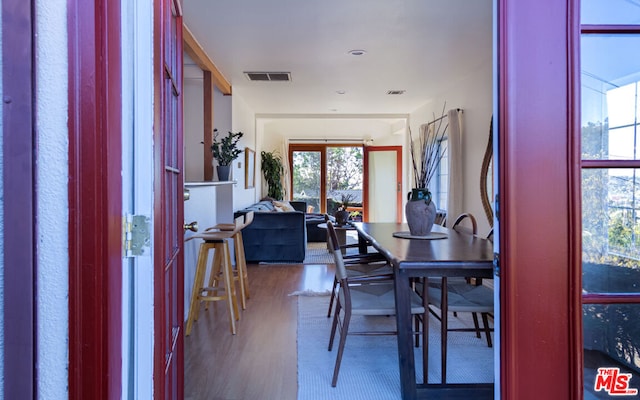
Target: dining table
{"points": [[443, 253]]}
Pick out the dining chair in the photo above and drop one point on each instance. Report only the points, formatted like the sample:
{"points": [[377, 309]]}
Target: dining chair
{"points": [[361, 296], [462, 296], [359, 265]]}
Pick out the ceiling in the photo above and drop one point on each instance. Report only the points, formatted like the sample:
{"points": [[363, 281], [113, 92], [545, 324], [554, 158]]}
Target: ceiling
{"points": [[419, 46]]}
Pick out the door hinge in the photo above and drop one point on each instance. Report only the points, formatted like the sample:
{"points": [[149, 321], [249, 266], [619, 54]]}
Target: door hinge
{"points": [[136, 236], [496, 264]]}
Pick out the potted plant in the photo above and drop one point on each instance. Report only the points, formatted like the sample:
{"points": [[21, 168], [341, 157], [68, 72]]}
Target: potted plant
{"points": [[342, 215], [225, 150], [420, 209], [272, 169]]}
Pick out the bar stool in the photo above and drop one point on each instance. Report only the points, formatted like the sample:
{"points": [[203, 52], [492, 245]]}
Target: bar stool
{"points": [[240, 273], [220, 267]]}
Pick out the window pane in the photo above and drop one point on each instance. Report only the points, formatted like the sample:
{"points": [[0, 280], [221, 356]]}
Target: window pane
{"points": [[610, 12], [306, 178], [610, 106], [344, 179], [611, 230], [612, 341]]}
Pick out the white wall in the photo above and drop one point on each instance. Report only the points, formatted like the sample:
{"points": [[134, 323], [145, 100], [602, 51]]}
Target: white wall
{"points": [[273, 132], [193, 121], [243, 120], [473, 94], [52, 201]]}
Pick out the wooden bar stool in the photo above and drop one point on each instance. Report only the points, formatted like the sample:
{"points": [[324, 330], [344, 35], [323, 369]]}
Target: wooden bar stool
{"points": [[240, 273], [220, 267]]}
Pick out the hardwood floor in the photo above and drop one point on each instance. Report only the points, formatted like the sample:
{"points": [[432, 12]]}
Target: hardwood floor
{"points": [[260, 361]]}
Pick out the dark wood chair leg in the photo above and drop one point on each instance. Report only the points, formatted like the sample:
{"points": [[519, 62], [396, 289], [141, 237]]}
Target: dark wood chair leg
{"points": [[333, 296], [476, 325], [487, 331], [343, 339], [336, 315]]}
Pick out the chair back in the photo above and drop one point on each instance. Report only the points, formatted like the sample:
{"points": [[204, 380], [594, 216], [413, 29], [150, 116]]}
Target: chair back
{"points": [[490, 235], [334, 246], [248, 219], [466, 223]]}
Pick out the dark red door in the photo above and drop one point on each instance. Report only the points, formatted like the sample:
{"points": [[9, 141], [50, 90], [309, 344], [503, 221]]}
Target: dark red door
{"points": [[168, 202], [538, 223]]}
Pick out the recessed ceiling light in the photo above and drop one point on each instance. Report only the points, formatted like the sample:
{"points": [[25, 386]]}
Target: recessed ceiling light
{"points": [[341, 91], [357, 52]]}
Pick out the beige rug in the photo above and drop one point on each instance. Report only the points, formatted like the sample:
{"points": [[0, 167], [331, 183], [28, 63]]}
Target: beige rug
{"points": [[369, 368], [317, 253]]}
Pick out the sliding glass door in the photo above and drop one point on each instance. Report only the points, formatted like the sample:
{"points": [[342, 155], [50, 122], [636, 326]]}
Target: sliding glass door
{"points": [[326, 175]]}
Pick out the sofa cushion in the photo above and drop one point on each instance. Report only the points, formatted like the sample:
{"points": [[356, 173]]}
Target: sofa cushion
{"points": [[284, 205], [261, 206]]}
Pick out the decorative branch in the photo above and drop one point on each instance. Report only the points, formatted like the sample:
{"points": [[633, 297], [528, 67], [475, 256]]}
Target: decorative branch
{"points": [[431, 150]]}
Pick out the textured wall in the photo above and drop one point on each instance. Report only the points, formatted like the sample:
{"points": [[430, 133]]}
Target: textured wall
{"points": [[52, 199]]}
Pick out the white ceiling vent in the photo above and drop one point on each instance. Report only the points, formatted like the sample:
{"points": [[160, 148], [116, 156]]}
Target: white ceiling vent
{"points": [[395, 92], [269, 76]]}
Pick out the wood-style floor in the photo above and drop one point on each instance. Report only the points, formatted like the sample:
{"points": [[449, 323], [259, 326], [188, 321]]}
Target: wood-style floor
{"points": [[260, 361]]}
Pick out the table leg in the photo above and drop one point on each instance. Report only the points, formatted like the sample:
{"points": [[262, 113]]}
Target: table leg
{"points": [[405, 337], [342, 239], [444, 320], [362, 244]]}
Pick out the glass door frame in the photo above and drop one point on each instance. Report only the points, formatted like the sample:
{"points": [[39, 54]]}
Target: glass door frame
{"points": [[322, 149]]}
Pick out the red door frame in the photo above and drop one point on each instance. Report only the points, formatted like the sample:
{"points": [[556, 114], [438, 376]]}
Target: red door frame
{"points": [[95, 200], [19, 202], [168, 233], [539, 213], [365, 186]]}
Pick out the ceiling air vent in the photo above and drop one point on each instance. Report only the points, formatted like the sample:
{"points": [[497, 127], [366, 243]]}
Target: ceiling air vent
{"points": [[269, 76], [395, 92]]}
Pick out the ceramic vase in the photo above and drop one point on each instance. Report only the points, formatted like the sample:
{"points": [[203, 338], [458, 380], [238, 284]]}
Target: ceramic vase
{"points": [[342, 217], [223, 172], [420, 211]]}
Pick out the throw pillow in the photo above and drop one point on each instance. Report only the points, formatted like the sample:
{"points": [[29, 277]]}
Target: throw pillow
{"points": [[285, 205]]}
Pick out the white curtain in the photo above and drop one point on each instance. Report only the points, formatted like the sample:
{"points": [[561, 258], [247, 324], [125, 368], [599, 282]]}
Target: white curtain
{"points": [[454, 204], [286, 181]]}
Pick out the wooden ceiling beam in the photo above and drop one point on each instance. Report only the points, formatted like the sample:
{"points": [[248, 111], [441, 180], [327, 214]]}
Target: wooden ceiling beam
{"points": [[197, 53]]}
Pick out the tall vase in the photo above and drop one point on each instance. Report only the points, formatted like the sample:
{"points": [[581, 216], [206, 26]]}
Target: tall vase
{"points": [[420, 211], [223, 172]]}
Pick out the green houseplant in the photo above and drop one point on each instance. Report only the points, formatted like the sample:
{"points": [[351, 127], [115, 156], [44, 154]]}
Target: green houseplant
{"points": [[272, 169], [225, 150], [342, 215]]}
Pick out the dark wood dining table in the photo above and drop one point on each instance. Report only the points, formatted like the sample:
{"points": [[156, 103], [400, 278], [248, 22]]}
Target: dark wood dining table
{"points": [[456, 255]]}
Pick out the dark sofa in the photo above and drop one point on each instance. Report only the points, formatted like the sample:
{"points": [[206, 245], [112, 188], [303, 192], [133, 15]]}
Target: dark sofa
{"points": [[275, 236]]}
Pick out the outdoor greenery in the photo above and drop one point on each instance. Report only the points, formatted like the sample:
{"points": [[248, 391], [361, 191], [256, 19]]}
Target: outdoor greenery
{"points": [[273, 170], [610, 220], [225, 150], [344, 173]]}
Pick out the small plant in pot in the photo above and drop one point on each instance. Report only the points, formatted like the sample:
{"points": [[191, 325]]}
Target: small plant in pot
{"points": [[342, 215], [225, 150]]}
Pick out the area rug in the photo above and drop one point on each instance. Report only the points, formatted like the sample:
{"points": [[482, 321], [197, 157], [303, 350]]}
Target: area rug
{"points": [[317, 253], [369, 369]]}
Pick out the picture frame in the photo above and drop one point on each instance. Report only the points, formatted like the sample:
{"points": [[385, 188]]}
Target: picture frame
{"points": [[250, 168]]}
